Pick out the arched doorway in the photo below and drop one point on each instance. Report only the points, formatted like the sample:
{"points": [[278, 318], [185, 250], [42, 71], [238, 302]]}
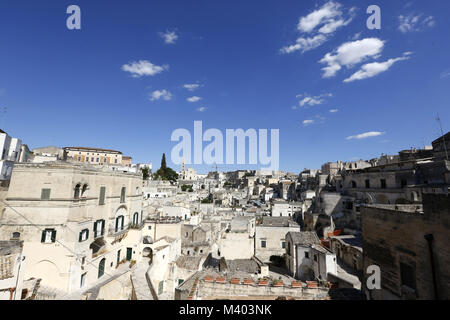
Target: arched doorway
{"points": [[101, 268]]}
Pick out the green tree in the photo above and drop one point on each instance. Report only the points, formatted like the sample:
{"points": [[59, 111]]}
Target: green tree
{"points": [[164, 172]]}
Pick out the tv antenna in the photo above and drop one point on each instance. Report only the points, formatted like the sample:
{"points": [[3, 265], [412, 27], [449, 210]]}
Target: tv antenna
{"points": [[443, 137]]}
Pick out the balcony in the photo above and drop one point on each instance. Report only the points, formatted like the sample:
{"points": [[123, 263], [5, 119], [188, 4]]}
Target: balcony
{"points": [[137, 226], [113, 232]]}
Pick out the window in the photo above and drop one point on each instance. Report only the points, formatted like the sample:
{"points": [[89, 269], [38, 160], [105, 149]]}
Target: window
{"points": [[407, 275], [97, 159], [306, 254], [101, 268], [48, 236], [136, 218], [101, 199], [283, 244], [354, 185], [119, 223], [84, 235], [383, 183], [45, 194], [84, 190], [403, 183], [76, 193], [16, 235], [263, 243], [315, 257], [161, 287], [83, 280], [99, 228], [367, 183], [122, 194]]}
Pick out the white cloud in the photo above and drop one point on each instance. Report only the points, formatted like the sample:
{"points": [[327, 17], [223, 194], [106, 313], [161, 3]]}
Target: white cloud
{"points": [[160, 94], [349, 54], [307, 122], [305, 44], [357, 36], [334, 110], [327, 19], [191, 87], [445, 74], [328, 12], [143, 68], [313, 100], [413, 23], [366, 135], [193, 99], [169, 37], [370, 70], [201, 109]]}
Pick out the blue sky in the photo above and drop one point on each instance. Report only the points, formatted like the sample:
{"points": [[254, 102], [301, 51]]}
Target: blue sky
{"points": [[258, 64]]}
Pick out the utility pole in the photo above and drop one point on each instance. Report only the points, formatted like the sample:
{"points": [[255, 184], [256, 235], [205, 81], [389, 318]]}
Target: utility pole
{"points": [[443, 137]]}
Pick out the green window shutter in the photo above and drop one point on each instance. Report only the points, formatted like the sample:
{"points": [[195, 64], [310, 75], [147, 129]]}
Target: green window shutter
{"points": [[95, 228], [102, 195], [80, 238], [45, 194], [43, 236], [87, 234], [103, 227], [53, 235]]}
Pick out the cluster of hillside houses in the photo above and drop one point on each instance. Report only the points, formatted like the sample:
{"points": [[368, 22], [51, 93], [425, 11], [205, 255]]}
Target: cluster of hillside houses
{"points": [[82, 223]]}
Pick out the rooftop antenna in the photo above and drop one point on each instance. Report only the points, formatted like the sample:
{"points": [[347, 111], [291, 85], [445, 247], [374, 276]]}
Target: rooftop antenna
{"points": [[443, 137]]}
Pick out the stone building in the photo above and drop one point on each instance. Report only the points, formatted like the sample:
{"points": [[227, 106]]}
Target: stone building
{"points": [[410, 246], [12, 267], [94, 155], [77, 222], [270, 236], [306, 258]]}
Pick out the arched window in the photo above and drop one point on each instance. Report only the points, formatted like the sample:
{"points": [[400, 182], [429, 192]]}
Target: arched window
{"points": [[84, 190], [76, 194], [136, 218], [101, 268]]}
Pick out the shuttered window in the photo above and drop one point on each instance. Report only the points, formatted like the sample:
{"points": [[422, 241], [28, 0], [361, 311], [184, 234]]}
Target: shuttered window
{"points": [[45, 194], [101, 199], [48, 236], [99, 228], [84, 235], [122, 194]]}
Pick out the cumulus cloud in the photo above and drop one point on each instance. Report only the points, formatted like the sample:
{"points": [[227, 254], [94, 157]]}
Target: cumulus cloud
{"points": [[370, 70], [318, 26], [307, 122], [413, 23], [169, 37], [365, 135], [312, 100], [160, 94], [143, 68], [201, 109], [193, 99], [305, 44], [349, 54], [191, 86]]}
